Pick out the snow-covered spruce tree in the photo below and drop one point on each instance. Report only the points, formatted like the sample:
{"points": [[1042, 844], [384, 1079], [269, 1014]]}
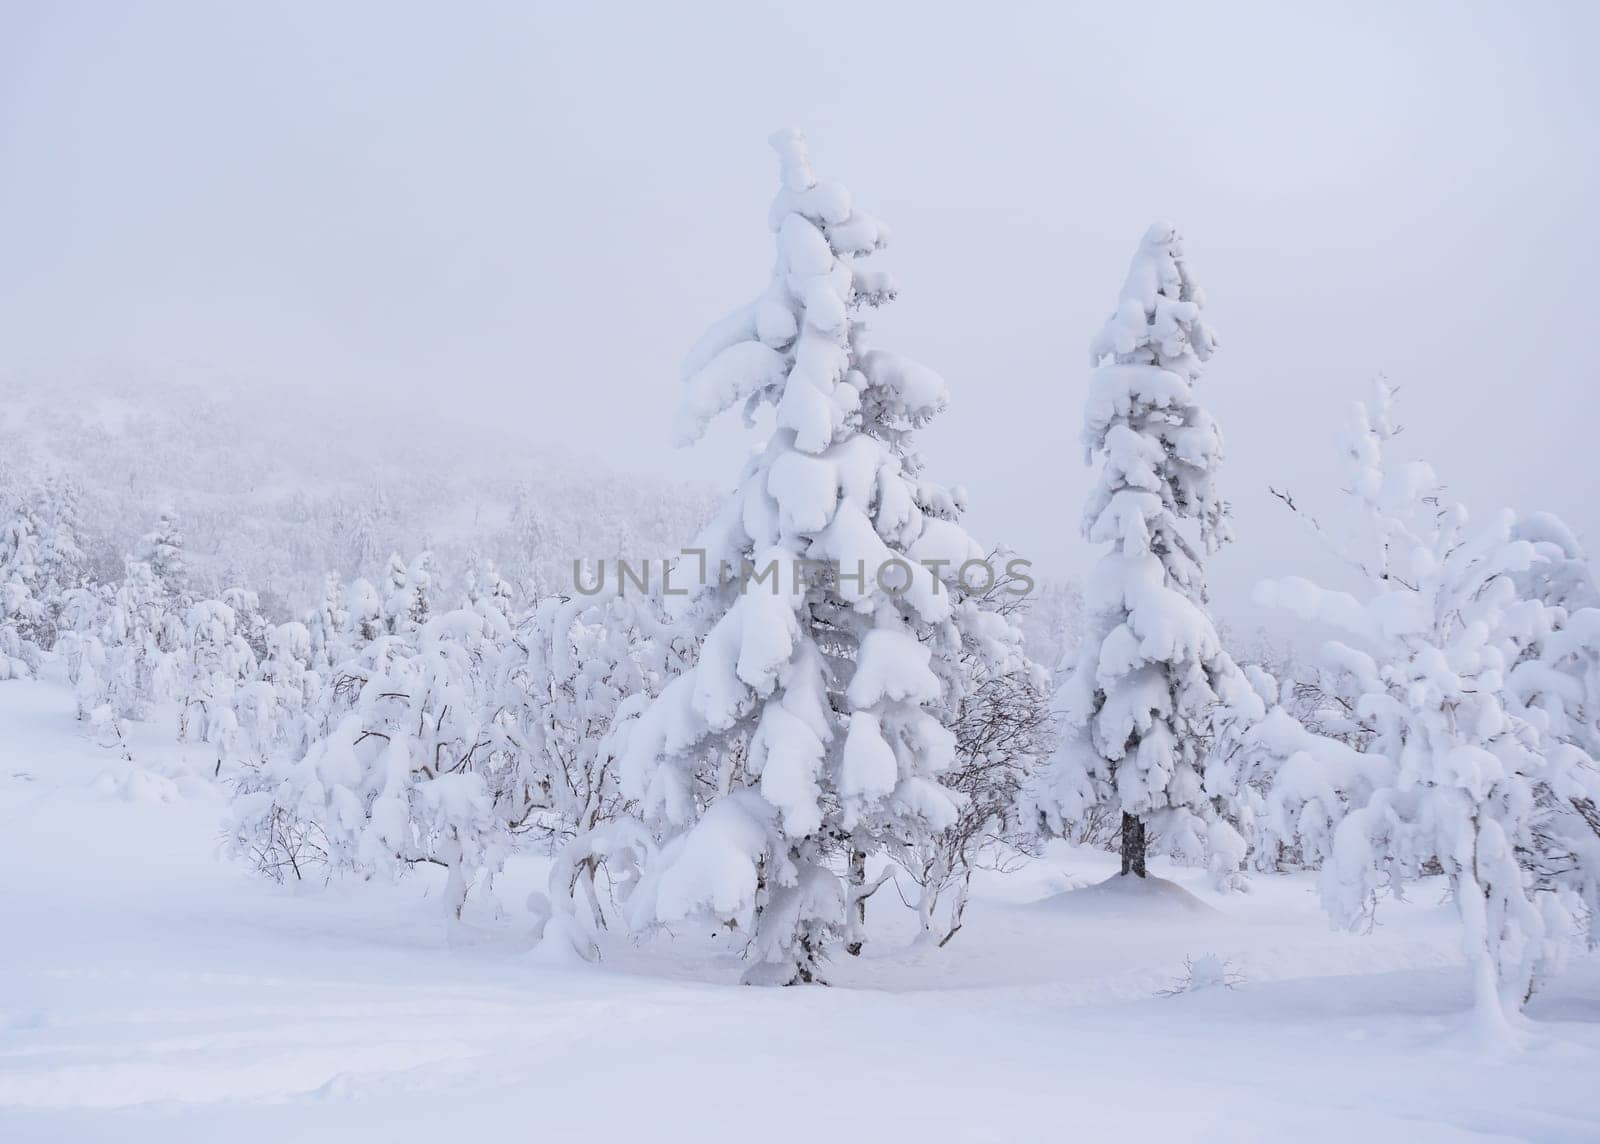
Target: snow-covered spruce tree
{"points": [[419, 591], [1052, 623], [486, 588], [23, 614], [328, 626], [528, 536], [63, 564], [397, 596], [812, 724], [1473, 783], [163, 551], [1136, 707], [363, 521]]}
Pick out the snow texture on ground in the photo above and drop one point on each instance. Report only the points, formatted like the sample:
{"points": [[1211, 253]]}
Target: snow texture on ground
{"points": [[151, 990]]}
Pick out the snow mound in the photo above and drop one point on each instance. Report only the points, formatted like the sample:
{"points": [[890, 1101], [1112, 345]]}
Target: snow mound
{"points": [[1129, 897], [135, 785]]}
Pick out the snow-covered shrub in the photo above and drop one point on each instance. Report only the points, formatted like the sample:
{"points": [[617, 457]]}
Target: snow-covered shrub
{"points": [[1002, 732], [580, 667], [277, 714], [78, 643], [813, 724], [1466, 773], [1283, 785], [1557, 675], [249, 620], [364, 619], [407, 599], [216, 662], [1555, 685], [1003, 728], [1208, 971], [140, 645], [1136, 707], [402, 776], [486, 588]]}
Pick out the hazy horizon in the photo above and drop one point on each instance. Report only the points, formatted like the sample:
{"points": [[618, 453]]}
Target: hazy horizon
{"points": [[526, 218]]}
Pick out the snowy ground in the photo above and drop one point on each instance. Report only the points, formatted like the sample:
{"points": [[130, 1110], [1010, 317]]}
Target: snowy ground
{"points": [[150, 990]]}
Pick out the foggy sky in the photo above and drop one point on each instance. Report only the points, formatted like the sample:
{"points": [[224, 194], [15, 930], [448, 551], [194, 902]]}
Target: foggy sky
{"points": [[525, 214]]}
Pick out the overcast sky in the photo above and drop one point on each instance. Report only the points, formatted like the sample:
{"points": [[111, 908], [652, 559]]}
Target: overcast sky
{"points": [[526, 213]]}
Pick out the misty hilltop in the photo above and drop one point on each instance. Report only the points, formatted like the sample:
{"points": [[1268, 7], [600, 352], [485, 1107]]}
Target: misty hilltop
{"points": [[277, 491]]}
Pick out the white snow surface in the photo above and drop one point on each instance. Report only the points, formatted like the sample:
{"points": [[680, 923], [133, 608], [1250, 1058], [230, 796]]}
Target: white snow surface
{"points": [[153, 991]]}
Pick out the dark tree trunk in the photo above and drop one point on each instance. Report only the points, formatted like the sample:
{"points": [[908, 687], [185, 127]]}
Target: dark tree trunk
{"points": [[805, 969], [1132, 845]]}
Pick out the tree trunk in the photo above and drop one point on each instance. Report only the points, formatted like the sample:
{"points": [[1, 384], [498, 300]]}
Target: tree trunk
{"points": [[1132, 845], [455, 881], [858, 902], [805, 967], [958, 908]]}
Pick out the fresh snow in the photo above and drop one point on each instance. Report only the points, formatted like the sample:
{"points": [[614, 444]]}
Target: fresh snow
{"points": [[151, 990]]}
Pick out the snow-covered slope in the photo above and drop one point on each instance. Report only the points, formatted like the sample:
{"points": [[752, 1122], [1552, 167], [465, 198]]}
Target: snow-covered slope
{"points": [[275, 491], [150, 990]]}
